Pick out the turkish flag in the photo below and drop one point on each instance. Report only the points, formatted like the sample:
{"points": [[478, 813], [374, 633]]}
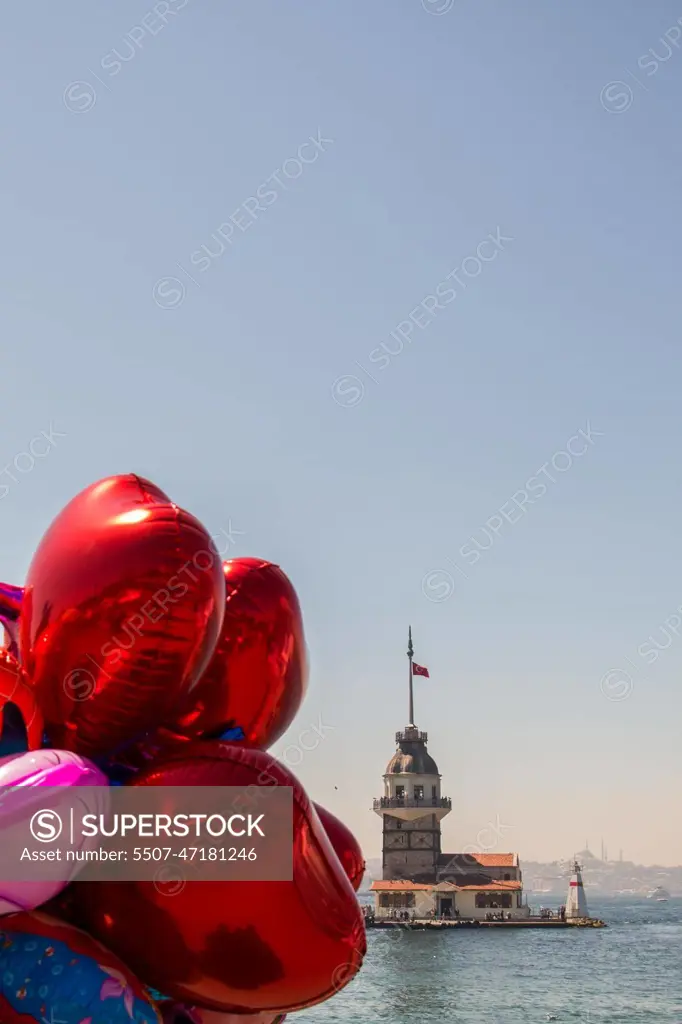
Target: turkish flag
{"points": [[419, 670]]}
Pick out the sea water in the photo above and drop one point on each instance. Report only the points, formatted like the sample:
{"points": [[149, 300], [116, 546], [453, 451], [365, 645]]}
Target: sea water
{"points": [[628, 973]]}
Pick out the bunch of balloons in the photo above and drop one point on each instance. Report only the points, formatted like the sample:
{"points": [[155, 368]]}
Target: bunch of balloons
{"points": [[134, 656]]}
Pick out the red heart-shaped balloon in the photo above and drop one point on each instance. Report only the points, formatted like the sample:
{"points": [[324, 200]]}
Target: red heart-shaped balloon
{"points": [[237, 947], [346, 846], [256, 679], [257, 676], [123, 605], [176, 1013]]}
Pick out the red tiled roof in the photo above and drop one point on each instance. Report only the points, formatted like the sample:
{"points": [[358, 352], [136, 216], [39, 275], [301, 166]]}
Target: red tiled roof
{"points": [[398, 886], [491, 887], [488, 860], [496, 860], [404, 886]]}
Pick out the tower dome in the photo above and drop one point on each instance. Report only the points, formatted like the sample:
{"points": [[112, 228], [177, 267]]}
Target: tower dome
{"points": [[411, 757]]}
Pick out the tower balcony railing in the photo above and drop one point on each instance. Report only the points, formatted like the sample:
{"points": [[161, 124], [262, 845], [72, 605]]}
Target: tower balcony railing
{"points": [[410, 735], [410, 801]]}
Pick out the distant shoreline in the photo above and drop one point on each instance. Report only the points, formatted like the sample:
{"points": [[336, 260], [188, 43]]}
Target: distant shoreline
{"points": [[543, 880]]}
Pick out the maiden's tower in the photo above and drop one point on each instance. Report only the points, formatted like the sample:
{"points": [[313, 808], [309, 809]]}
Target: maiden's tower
{"points": [[417, 877]]}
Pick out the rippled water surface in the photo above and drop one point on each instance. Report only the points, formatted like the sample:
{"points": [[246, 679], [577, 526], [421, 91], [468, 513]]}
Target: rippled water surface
{"points": [[630, 972]]}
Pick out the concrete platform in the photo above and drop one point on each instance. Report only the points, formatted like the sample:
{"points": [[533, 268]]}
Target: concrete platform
{"points": [[528, 922]]}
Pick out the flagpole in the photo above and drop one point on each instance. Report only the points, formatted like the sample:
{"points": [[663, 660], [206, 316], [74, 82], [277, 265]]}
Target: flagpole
{"points": [[410, 652]]}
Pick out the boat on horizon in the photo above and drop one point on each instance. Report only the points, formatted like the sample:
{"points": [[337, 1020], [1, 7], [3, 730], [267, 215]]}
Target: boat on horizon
{"points": [[659, 894]]}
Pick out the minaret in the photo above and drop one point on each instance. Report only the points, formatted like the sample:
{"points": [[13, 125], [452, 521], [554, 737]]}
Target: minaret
{"points": [[576, 904], [412, 806]]}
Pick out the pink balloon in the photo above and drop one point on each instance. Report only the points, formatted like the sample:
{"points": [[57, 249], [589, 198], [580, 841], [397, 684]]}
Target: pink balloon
{"points": [[24, 773], [49, 768]]}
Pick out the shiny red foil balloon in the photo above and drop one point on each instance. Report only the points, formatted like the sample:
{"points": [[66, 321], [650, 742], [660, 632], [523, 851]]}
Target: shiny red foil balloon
{"points": [[211, 1017], [346, 846], [257, 676], [176, 1013], [236, 947], [123, 605], [15, 689]]}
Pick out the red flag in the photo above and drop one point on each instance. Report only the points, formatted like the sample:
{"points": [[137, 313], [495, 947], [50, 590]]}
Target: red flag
{"points": [[419, 670]]}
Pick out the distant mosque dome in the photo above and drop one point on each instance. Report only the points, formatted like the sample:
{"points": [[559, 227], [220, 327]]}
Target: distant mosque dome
{"points": [[411, 756]]}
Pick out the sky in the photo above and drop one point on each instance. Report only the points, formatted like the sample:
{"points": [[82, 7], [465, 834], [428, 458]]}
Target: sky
{"points": [[450, 244]]}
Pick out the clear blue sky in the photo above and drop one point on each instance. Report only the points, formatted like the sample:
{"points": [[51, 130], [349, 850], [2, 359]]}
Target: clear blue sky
{"points": [[443, 128]]}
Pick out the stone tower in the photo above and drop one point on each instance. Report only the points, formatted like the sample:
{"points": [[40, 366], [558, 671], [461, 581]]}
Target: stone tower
{"points": [[412, 806], [412, 809]]}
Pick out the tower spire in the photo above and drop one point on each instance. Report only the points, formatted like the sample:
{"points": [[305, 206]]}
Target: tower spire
{"points": [[410, 652]]}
